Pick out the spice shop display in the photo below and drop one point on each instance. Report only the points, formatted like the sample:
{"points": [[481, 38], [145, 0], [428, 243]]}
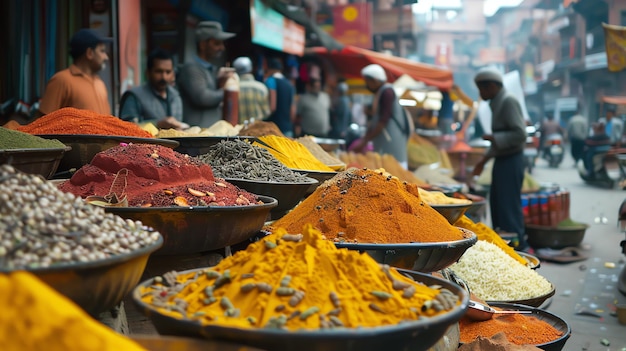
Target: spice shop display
{"points": [[219, 128], [69, 120], [374, 160], [153, 176], [482, 268], [36, 317], [287, 284], [13, 139], [367, 206]]}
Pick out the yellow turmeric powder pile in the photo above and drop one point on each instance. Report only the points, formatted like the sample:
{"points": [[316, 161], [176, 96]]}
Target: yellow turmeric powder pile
{"points": [[36, 317], [297, 281], [487, 234], [292, 153], [369, 206]]}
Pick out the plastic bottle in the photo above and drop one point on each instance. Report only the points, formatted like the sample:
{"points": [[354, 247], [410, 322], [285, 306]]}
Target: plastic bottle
{"points": [[533, 208], [526, 208]]}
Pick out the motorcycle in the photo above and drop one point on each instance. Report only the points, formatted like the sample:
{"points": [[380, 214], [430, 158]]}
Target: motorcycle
{"points": [[531, 148], [553, 150], [600, 166]]}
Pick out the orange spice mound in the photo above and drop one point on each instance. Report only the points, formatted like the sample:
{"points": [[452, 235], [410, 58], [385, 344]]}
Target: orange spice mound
{"points": [[69, 120], [518, 328], [369, 206]]}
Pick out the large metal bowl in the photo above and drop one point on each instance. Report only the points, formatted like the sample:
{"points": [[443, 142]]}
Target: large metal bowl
{"points": [[189, 230], [287, 194], [557, 322], [43, 161], [416, 335], [97, 286], [555, 237], [200, 145], [534, 302], [451, 212], [86, 146], [421, 257]]}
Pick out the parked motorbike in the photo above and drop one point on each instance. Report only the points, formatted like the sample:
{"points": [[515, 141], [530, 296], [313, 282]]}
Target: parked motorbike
{"points": [[553, 150], [531, 148], [604, 169]]}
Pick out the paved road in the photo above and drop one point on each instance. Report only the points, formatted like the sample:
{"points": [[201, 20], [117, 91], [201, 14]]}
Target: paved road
{"points": [[586, 292]]}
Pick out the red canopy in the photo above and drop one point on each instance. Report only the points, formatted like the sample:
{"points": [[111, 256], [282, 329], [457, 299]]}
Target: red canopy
{"points": [[350, 60]]}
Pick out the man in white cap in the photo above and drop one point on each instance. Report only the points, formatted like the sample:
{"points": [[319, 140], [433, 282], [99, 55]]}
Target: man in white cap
{"points": [[508, 139], [200, 82], [253, 95], [388, 127]]}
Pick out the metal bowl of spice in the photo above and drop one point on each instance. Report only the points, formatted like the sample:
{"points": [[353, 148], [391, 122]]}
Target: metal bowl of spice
{"points": [[540, 236], [287, 194], [202, 228], [534, 301], [86, 146], [414, 335], [421, 257], [541, 328], [44, 162], [452, 212]]}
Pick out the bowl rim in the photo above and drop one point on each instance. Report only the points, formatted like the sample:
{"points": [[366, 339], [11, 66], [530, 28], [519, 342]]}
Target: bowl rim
{"points": [[538, 311], [451, 206], [268, 202], [413, 246], [543, 298], [333, 333], [309, 181], [65, 148], [97, 137], [210, 137], [528, 257], [582, 226], [307, 172], [116, 259]]}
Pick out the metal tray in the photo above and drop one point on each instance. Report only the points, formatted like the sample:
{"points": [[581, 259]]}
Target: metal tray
{"points": [[557, 322], [200, 145], [203, 228], [417, 335], [287, 194], [44, 161], [97, 286], [421, 257], [86, 146]]}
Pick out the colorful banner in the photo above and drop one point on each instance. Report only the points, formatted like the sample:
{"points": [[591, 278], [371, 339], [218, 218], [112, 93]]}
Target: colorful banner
{"points": [[273, 30], [615, 41], [352, 24]]}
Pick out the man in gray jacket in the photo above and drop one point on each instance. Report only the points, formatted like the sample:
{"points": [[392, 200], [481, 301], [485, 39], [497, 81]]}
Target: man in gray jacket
{"points": [[508, 139], [155, 101], [200, 82]]}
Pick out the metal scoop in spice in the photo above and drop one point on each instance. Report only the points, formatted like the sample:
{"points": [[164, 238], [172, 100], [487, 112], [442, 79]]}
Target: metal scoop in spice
{"points": [[479, 312]]}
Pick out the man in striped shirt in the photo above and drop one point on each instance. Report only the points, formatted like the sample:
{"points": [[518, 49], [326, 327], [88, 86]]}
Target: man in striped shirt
{"points": [[253, 95]]}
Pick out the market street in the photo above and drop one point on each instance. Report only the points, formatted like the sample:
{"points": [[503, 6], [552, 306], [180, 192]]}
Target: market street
{"points": [[586, 291]]}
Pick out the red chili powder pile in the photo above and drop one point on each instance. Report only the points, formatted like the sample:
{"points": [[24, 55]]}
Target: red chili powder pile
{"points": [[518, 328], [69, 120], [157, 177], [369, 206]]}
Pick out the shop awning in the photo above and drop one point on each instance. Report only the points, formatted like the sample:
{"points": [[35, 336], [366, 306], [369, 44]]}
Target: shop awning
{"points": [[615, 100], [350, 60]]}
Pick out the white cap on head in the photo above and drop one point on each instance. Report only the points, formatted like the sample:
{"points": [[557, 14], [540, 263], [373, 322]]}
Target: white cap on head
{"points": [[242, 65], [488, 75], [374, 71]]}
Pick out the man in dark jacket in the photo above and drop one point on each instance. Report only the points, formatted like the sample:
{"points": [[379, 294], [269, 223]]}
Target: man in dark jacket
{"points": [[508, 139], [155, 101]]}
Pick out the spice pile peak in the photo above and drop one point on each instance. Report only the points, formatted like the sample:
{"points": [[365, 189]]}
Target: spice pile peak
{"points": [[297, 281]]}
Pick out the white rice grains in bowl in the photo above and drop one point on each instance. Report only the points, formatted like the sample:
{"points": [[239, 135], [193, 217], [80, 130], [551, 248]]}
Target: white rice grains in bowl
{"points": [[493, 275]]}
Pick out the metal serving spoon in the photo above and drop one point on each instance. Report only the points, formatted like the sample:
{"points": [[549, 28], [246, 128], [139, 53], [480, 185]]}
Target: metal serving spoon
{"points": [[480, 312]]}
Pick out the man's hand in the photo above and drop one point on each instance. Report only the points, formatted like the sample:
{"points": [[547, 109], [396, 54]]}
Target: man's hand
{"points": [[478, 168], [171, 122], [223, 74]]}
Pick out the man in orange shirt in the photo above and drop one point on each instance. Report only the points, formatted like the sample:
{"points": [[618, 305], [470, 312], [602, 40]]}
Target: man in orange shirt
{"points": [[79, 85]]}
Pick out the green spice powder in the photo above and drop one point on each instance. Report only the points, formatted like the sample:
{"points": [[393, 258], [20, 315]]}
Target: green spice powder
{"points": [[12, 139]]}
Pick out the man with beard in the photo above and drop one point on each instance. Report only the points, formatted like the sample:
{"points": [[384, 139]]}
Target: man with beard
{"points": [[156, 101], [79, 85], [200, 82]]}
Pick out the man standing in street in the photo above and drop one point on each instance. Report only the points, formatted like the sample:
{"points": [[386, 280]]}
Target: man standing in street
{"points": [[507, 148], [389, 128], [200, 83], [313, 111], [155, 101], [613, 124], [282, 98], [253, 95], [577, 131], [79, 85]]}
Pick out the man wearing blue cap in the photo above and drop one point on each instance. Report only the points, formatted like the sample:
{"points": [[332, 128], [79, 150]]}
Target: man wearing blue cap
{"points": [[79, 85]]}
